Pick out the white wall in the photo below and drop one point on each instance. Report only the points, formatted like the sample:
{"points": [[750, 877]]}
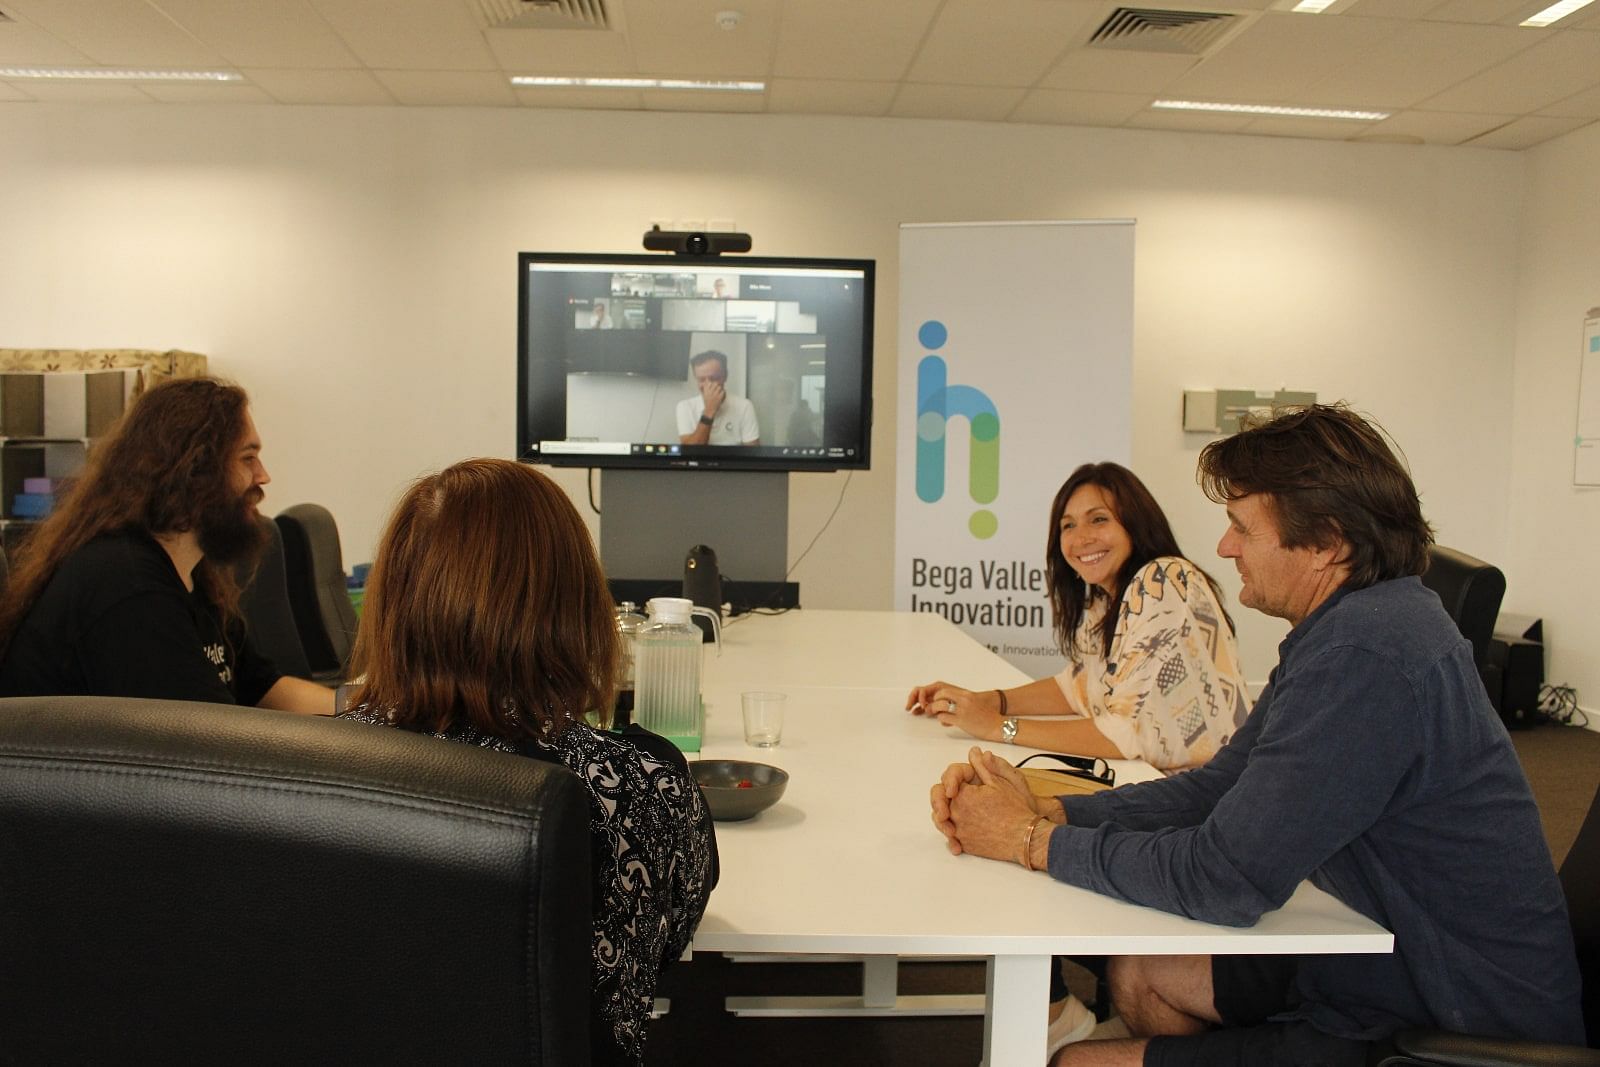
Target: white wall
{"points": [[1554, 527], [355, 269]]}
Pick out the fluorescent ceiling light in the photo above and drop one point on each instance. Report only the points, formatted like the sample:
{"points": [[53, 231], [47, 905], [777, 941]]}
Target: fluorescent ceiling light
{"points": [[1314, 7], [545, 82], [1555, 12], [1272, 109], [109, 74]]}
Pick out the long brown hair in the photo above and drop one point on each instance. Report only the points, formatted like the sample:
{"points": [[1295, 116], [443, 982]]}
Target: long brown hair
{"points": [[1148, 530], [158, 470], [486, 606], [1329, 476]]}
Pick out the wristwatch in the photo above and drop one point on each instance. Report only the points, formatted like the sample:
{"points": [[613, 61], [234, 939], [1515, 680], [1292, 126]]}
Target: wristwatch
{"points": [[1008, 731], [707, 420]]}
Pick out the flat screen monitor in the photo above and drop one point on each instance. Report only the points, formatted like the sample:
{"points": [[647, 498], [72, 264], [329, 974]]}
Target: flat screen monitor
{"points": [[754, 363]]}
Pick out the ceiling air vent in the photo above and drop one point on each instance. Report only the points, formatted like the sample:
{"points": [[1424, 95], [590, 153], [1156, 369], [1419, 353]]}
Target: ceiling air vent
{"points": [[544, 14], [1142, 29]]}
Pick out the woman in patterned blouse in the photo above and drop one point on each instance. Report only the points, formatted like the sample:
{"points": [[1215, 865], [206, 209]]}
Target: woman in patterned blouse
{"points": [[487, 621], [1153, 669]]}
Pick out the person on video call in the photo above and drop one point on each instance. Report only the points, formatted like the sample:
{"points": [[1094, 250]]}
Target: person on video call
{"points": [[712, 417]]}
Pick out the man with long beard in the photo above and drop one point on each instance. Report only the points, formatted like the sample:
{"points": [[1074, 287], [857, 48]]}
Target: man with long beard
{"points": [[128, 588]]}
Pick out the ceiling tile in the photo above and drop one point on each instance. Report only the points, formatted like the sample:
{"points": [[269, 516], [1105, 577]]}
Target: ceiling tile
{"points": [[1000, 42], [1455, 70], [850, 39], [689, 100], [1112, 71], [582, 99], [1527, 132], [1068, 108], [409, 34], [829, 96], [444, 88], [1433, 127], [1564, 63], [205, 93], [22, 45], [1314, 129], [117, 32], [682, 37], [1280, 57], [1189, 121], [1481, 11], [1582, 105], [984, 103], [1390, 9], [320, 86], [1418, 61], [561, 51], [248, 33], [71, 92]]}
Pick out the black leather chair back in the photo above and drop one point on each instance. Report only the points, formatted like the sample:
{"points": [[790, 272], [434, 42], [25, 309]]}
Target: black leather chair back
{"points": [[317, 590], [264, 602], [191, 883], [1471, 591], [1580, 881]]}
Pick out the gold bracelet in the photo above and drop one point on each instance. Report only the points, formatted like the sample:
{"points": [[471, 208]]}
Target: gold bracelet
{"points": [[1027, 844]]}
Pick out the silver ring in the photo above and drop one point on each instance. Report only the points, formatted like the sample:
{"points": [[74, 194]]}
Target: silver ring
{"points": [[949, 706]]}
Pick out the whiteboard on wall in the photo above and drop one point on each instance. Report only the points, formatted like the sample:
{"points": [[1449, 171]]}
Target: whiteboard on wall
{"points": [[1586, 443]]}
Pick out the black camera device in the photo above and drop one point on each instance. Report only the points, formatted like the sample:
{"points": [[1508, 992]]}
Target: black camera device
{"points": [[691, 243]]}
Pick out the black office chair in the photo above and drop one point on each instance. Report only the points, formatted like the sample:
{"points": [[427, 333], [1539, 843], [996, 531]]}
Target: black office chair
{"points": [[1471, 591], [1580, 882], [264, 603], [318, 593], [189, 883]]}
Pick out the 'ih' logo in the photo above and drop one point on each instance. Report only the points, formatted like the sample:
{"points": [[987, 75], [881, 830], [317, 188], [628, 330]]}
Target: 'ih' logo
{"points": [[936, 403]]}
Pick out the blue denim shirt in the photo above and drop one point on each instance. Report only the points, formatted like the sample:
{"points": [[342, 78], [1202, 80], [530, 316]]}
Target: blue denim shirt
{"points": [[1374, 765]]}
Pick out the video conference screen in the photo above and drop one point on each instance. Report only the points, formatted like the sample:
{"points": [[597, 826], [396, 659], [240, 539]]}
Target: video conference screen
{"points": [[746, 363]]}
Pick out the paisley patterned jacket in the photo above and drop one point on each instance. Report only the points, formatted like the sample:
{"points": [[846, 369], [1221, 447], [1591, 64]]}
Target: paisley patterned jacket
{"points": [[653, 854]]}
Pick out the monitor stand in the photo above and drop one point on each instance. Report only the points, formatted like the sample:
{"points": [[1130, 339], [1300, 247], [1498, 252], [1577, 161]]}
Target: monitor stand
{"points": [[650, 519]]}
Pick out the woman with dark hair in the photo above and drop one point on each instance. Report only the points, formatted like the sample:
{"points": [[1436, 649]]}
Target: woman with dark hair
{"points": [[1153, 670], [487, 621]]}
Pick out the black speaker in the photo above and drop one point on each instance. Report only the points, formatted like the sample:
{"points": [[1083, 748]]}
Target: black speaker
{"points": [[702, 583], [1514, 669]]}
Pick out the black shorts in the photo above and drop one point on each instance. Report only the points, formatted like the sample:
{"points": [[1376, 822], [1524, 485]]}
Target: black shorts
{"points": [[1247, 991]]}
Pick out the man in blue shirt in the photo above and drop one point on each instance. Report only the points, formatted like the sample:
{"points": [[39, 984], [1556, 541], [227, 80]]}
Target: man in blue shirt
{"points": [[1373, 764]]}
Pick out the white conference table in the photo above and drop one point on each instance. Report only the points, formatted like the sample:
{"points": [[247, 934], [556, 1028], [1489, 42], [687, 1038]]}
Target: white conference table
{"points": [[848, 862]]}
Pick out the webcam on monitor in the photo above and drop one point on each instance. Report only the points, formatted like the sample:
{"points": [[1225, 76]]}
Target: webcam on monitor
{"points": [[689, 243]]}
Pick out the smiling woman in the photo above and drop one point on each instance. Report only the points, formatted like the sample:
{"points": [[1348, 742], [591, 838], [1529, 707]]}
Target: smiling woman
{"points": [[1153, 672]]}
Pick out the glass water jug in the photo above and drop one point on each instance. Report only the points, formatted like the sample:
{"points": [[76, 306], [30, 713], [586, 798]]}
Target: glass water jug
{"points": [[667, 653]]}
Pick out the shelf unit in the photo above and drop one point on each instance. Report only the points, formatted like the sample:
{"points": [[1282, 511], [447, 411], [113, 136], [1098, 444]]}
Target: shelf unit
{"points": [[55, 403]]}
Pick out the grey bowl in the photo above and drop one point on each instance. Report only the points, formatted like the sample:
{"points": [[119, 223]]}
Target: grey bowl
{"points": [[719, 780]]}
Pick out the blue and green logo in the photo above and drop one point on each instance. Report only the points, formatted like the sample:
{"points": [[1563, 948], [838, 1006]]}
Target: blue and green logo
{"points": [[937, 402]]}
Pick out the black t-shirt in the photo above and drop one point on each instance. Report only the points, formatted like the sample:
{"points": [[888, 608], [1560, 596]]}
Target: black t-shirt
{"points": [[116, 620]]}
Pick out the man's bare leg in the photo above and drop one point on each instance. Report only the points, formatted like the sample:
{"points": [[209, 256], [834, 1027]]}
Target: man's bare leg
{"points": [[1163, 994], [1154, 995], [1129, 1053]]}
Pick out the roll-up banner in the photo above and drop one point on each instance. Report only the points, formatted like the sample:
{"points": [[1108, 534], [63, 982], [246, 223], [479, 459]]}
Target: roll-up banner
{"points": [[1016, 365]]}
